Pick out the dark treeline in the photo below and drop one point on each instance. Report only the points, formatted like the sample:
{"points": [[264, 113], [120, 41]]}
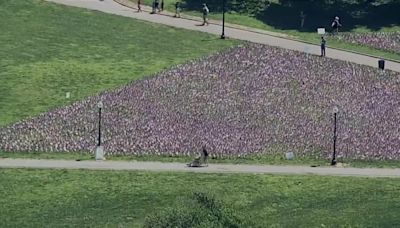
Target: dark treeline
{"points": [[285, 14]]}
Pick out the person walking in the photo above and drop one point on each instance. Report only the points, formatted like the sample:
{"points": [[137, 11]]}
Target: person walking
{"points": [[153, 7], [205, 156], [139, 3], [336, 25], [177, 9], [157, 6], [162, 5], [205, 14], [323, 46], [302, 19]]}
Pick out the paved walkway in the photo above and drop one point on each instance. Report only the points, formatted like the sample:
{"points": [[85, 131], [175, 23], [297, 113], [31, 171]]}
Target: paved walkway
{"points": [[212, 168], [109, 6], [147, 9]]}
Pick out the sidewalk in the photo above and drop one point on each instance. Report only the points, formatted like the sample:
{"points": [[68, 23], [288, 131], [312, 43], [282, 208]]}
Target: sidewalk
{"points": [[212, 168], [148, 9], [109, 6]]}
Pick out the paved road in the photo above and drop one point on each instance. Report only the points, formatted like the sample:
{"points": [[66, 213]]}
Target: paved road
{"points": [[109, 6], [180, 167]]}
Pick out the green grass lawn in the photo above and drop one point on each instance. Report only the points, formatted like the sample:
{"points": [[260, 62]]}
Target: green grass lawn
{"points": [[254, 159], [270, 18], [76, 198], [47, 50]]}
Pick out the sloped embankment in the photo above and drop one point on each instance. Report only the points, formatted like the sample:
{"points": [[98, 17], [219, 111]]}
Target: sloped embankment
{"points": [[250, 99]]}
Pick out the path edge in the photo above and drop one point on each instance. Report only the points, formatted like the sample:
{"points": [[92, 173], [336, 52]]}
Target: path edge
{"points": [[259, 31]]}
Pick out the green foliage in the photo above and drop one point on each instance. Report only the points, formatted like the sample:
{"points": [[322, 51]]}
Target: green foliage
{"points": [[200, 210], [251, 7]]}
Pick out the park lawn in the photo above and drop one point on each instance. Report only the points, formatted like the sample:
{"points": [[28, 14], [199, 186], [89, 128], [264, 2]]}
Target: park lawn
{"points": [[258, 22], [78, 198], [47, 50], [276, 159]]}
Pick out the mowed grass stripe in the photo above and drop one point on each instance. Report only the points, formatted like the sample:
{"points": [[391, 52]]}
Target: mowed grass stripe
{"points": [[76, 198], [47, 50]]}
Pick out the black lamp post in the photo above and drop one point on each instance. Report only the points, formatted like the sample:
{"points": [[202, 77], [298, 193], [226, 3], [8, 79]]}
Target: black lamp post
{"points": [[100, 106], [335, 111], [223, 20]]}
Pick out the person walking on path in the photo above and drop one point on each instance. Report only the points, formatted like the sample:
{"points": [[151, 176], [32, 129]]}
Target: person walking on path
{"points": [[156, 6], [205, 14], [335, 25], [323, 45], [177, 9], [139, 2], [153, 7]]}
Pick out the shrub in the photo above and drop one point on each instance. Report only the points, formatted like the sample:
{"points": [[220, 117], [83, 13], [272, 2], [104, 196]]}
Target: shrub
{"points": [[201, 210]]}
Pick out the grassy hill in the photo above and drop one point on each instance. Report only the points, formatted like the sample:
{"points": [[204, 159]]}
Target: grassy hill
{"points": [[249, 100], [47, 50]]}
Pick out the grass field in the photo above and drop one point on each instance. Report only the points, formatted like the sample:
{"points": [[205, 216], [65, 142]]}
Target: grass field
{"points": [[259, 15], [47, 50], [61, 198]]}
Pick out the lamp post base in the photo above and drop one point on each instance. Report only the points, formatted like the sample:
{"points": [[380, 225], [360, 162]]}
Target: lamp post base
{"points": [[223, 36], [99, 154], [333, 162]]}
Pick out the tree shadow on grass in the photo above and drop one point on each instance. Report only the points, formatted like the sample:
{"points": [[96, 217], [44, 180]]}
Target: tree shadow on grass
{"points": [[321, 14], [285, 14]]}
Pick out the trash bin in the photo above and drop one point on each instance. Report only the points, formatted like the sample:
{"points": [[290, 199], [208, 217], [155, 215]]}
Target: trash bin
{"points": [[381, 64]]}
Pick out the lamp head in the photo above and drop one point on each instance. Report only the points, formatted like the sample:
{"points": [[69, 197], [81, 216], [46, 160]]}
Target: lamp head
{"points": [[335, 110], [100, 104]]}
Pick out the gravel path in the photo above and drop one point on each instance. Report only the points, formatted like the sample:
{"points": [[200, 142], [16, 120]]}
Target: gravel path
{"points": [[212, 168], [109, 6]]}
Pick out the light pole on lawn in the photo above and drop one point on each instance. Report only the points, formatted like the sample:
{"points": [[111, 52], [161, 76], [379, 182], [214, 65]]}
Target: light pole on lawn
{"points": [[335, 112], [99, 149], [223, 20]]}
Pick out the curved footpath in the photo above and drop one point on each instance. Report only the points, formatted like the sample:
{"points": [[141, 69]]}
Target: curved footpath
{"points": [[212, 168], [109, 6]]}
